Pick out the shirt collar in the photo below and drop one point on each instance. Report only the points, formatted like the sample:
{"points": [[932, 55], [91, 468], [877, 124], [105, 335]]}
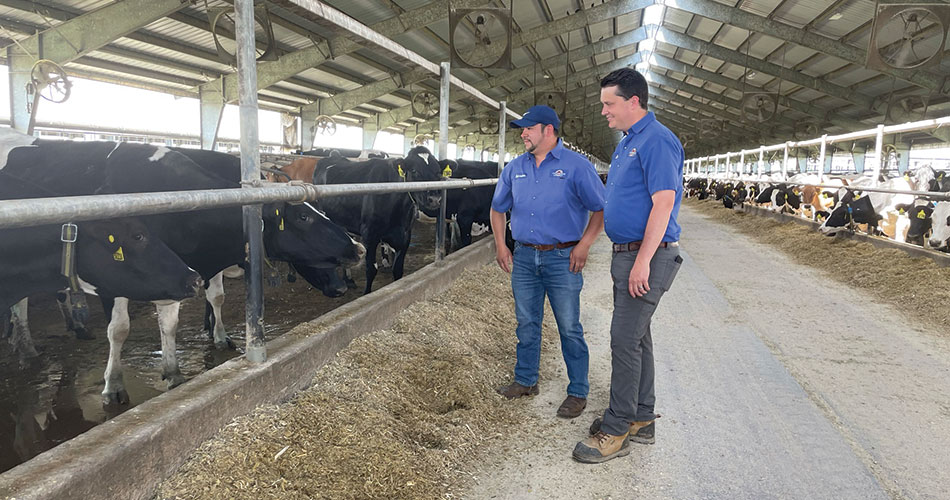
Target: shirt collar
{"points": [[641, 124], [558, 149]]}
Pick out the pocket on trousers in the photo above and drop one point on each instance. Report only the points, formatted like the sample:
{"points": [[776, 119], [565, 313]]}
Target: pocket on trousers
{"points": [[674, 268]]}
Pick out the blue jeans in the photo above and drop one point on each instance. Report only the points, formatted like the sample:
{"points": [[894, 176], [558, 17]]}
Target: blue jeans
{"points": [[535, 273]]}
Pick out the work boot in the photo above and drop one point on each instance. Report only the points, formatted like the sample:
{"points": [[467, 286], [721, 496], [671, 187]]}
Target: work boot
{"points": [[572, 407], [601, 447], [516, 390], [643, 432]]}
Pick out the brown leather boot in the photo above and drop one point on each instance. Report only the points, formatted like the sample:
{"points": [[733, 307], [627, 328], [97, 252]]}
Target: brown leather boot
{"points": [[640, 432], [516, 390], [601, 447], [572, 407]]}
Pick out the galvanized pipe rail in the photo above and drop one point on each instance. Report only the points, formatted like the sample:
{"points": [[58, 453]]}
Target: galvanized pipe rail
{"points": [[938, 195], [37, 211]]}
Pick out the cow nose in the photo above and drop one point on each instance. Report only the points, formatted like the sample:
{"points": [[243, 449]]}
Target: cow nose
{"points": [[360, 251], [935, 243]]}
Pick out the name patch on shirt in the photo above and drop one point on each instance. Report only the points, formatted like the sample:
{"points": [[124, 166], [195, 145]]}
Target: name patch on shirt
{"points": [[520, 176], [560, 174]]}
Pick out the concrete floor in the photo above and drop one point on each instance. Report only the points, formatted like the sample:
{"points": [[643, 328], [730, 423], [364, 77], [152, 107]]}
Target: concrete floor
{"points": [[773, 381]]}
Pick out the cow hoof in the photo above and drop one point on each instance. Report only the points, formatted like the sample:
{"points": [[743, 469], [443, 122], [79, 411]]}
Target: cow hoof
{"points": [[173, 380], [83, 334], [120, 397], [227, 343]]}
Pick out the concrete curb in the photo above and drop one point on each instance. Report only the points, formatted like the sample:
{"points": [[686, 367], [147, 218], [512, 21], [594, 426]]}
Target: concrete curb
{"points": [[940, 258], [129, 455]]}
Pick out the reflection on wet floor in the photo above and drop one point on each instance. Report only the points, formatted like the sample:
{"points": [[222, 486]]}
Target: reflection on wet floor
{"points": [[57, 396]]}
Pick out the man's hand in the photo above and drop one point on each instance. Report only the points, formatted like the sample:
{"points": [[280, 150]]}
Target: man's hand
{"points": [[638, 282], [503, 258], [579, 257]]}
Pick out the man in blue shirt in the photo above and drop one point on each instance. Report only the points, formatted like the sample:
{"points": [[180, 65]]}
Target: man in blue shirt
{"points": [[644, 188], [550, 191]]}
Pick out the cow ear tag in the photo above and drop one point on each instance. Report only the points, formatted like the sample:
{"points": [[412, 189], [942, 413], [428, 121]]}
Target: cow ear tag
{"points": [[281, 225], [901, 211], [921, 215], [447, 172], [111, 239], [401, 173], [118, 256]]}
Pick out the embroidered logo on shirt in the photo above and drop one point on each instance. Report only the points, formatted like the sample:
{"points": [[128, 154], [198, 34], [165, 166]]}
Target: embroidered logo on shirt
{"points": [[632, 153], [520, 176], [560, 174]]}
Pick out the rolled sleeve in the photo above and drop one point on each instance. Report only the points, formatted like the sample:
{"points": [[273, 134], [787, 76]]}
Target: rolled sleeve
{"points": [[502, 200], [661, 165]]}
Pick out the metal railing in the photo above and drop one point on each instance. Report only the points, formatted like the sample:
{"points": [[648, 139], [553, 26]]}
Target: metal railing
{"points": [[701, 164]]}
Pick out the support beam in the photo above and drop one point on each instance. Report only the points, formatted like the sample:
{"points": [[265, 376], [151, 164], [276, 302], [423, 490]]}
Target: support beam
{"points": [[211, 109], [746, 20], [369, 134]]}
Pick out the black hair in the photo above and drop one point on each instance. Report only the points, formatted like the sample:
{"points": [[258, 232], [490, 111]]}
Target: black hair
{"points": [[629, 83]]}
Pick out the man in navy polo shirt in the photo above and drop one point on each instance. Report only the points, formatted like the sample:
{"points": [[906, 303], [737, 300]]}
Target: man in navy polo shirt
{"points": [[644, 188], [550, 191]]}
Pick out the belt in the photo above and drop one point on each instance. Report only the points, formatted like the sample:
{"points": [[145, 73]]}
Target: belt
{"points": [[633, 246], [545, 248]]}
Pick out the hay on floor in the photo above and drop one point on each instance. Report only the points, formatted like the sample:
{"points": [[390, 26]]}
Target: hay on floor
{"points": [[403, 413], [916, 285]]}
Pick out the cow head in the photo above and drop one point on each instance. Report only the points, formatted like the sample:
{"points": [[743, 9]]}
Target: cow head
{"points": [[941, 227], [305, 237], [325, 279], [119, 257], [919, 214], [852, 208], [420, 165]]}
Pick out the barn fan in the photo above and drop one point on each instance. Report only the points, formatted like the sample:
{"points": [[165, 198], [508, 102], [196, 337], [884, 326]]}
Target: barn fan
{"points": [[488, 125], [288, 124], [425, 104], [480, 38], [572, 127], [324, 125], [554, 100], [907, 109], [223, 31], [807, 130], [687, 139], [890, 157], [710, 128], [421, 139], [49, 81], [759, 107], [908, 35]]}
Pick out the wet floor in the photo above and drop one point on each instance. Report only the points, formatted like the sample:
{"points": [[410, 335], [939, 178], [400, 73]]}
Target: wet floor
{"points": [[58, 396]]}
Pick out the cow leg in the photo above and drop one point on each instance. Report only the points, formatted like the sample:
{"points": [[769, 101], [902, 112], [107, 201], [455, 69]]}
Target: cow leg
{"points": [[215, 297], [370, 260], [454, 235], [386, 254], [168, 327], [20, 338], [75, 312], [117, 331], [348, 278], [465, 229]]}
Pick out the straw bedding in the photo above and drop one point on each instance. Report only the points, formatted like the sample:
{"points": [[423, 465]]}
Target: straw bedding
{"points": [[404, 413]]}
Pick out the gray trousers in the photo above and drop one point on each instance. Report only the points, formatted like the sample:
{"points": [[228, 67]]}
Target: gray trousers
{"points": [[631, 343]]}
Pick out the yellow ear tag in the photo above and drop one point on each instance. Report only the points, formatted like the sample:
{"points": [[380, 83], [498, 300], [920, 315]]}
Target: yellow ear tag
{"points": [[118, 256], [401, 173], [856, 196], [906, 177], [796, 192], [111, 239], [901, 211], [825, 195], [281, 226], [921, 215], [447, 172]]}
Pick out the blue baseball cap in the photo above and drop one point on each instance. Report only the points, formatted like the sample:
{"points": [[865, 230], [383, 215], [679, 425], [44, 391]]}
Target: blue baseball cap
{"points": [[538, 114]]}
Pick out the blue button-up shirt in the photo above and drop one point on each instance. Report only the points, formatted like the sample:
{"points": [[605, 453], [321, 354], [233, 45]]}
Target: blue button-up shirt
{"points": [[549, 203], [648, 159]]}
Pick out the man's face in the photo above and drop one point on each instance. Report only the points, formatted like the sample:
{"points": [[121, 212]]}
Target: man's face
{"points": [[532, 136], [620, 112]]}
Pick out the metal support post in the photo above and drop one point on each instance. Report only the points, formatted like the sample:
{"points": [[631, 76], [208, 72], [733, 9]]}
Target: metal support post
{"points": [[20, 63], [502, 128], [878, 153], [821, 157], [761, 160], [785, 162], [255, 351], [443, 153], [211, 109], [369, 134], [308, 128]]}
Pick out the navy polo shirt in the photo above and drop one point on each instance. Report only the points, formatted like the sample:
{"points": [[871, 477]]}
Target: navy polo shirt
{"points": [[549, 203], [648, 159]]}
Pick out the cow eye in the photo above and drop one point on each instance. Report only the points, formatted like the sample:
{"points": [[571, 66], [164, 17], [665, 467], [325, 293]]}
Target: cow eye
{"points": [[304, 217], [138, 237]]}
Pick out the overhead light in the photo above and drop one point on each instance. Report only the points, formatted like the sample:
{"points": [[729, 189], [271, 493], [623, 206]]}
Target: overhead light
{"points": [[835, 16], [750, 75]]}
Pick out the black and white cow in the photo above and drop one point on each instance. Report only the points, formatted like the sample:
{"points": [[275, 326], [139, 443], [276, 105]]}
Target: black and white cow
{"points": [[380, 218], [117, 257], [940, 237], [469, 206], [209, 241]]}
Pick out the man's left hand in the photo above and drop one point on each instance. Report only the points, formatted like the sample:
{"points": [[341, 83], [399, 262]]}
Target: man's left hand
{"points": [[579, 257]]}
